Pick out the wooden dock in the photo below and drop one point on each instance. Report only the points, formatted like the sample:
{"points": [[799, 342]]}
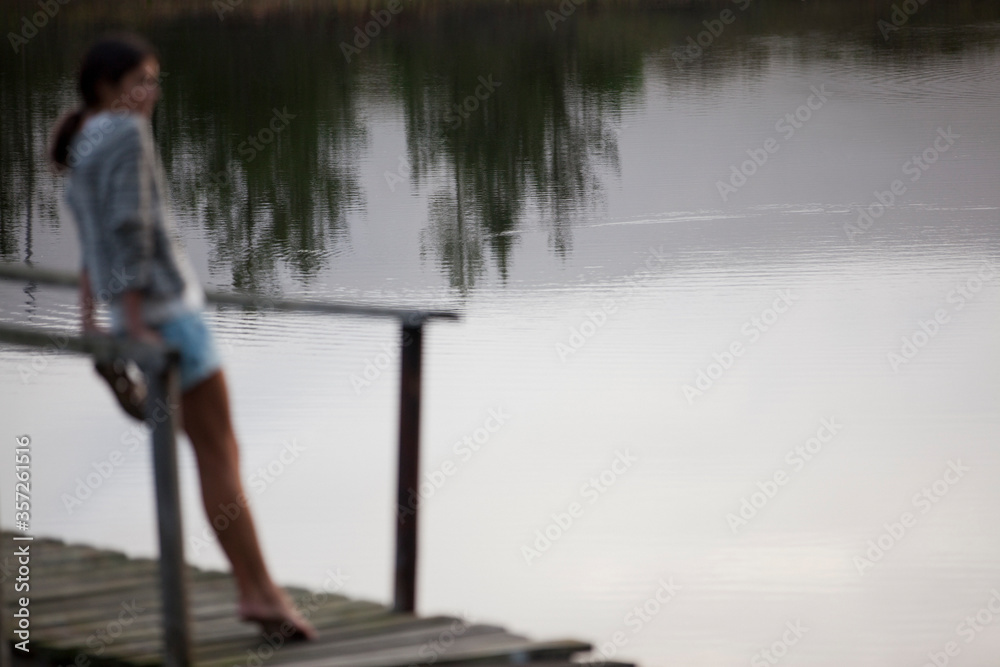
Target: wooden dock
{"points": [[92, 607]]}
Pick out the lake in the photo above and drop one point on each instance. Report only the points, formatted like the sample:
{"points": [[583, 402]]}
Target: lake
{"points": [[723, 391]]}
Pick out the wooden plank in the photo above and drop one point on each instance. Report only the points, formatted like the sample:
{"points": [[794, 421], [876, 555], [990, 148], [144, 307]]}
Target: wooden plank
{"points": [[216, 623], [106, 606], [405, 637], [360, 626], [493, 646], [225, 629], [541, 662], [81, 590], [275, 653]]}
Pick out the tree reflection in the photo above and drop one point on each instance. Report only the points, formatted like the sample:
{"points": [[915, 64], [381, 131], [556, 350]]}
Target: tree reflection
{"points": [[519, 117], [533, 150], [270, 137]]}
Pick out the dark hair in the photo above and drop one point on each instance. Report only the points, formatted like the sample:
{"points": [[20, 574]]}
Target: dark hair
{"points": [[107, 60]]}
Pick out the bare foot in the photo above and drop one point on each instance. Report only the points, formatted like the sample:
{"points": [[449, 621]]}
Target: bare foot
{"points": [[277, 614]]}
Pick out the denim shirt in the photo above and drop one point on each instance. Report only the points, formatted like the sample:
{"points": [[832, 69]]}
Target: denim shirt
{"points": [[115, 195]]}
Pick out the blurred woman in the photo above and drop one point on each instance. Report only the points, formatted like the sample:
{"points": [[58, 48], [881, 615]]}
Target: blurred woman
{"points": [[116, 196]]}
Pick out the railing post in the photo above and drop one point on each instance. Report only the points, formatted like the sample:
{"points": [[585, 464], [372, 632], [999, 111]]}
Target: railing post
{"points": [[162, 400], [407, 501]]}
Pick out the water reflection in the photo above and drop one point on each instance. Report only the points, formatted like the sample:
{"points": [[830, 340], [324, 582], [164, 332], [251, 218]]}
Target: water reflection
{"points": [[503, 114], [509, 115], [540, 207], [262, 145]]}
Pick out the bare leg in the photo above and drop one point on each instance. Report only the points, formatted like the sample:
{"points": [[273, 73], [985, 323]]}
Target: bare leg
{"points": [[206, 417]]}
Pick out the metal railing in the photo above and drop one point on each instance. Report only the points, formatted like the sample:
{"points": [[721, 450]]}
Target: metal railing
{"points": [[159, 363]]}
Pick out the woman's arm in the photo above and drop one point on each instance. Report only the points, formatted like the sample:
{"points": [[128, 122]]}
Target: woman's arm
{"points": [[130, 222], [129, 218], [132, 302]]}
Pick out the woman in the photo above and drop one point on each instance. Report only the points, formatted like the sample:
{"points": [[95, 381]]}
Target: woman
{"points": [[115, 193]]}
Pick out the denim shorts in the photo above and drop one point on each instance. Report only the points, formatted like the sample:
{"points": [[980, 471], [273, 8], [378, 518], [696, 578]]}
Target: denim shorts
{"points": [[193, 339]]}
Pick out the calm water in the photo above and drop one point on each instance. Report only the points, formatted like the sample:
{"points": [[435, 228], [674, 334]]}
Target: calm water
{"points": [[574, 214]]}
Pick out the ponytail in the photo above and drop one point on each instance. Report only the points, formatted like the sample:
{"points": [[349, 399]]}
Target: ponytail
{"points": [[107, 60], [63, 133]]}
